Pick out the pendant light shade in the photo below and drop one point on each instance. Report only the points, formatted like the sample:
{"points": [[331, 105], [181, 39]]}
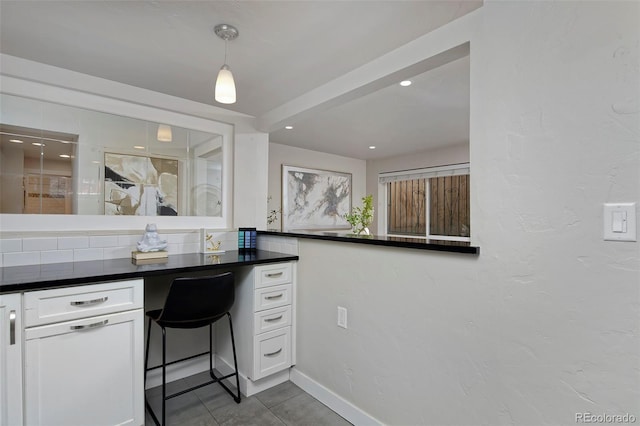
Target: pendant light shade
{"points": [[225, 92], [225, 89], [164, 133]]}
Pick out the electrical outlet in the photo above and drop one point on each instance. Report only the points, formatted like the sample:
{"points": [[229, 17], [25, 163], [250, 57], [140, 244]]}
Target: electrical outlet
{"points": [[342, 317]]}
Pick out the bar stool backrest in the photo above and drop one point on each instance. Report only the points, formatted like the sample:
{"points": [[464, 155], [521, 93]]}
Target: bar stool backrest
{"points": [[197, 301]]}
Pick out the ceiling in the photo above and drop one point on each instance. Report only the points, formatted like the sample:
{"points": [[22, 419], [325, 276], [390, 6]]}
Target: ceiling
{"points": [[32, 143], [285, 50]]}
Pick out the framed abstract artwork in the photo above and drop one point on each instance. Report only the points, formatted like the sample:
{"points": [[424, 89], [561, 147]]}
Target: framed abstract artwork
{"points": [[140, 186], [315, 199]]}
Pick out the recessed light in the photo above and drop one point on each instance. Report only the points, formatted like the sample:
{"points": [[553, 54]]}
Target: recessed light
{"points": [[65, 156], [37, 144], [288, 127], [372, 147], [405, 83], [15, 140], [139, 147]]}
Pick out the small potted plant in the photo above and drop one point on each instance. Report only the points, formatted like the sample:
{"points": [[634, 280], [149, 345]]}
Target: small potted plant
{"points": [[361, 217], [272, 215]]}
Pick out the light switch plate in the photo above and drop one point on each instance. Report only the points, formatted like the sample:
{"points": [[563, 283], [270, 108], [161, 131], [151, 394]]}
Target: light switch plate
{"points": [[620, 222], [342, 317]]}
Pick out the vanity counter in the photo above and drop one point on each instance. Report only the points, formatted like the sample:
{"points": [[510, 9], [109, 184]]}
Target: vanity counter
{"points": [[388, 241], [35, 277]]}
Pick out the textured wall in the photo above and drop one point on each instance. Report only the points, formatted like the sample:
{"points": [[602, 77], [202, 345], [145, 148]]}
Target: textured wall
{"points": [[545, 323]]}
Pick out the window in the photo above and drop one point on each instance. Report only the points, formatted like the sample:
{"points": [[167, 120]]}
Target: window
{"points": [[431, 203]]}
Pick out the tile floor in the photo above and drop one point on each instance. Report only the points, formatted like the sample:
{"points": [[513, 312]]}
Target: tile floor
{"points": [[285, 404]]}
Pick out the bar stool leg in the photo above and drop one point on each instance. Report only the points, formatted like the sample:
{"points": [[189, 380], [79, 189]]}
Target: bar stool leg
{"points": [[146, 356], [164, 375], [235, 359], [210, 349]]}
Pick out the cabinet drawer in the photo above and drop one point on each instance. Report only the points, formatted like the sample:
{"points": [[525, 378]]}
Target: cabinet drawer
{"points": [[272, 352], [64, 304], [272, 297], [272, 319], [268, 275]]}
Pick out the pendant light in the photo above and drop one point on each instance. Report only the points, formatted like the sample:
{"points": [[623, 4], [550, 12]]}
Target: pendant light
{"points": [[225, 91], [164, 133]]}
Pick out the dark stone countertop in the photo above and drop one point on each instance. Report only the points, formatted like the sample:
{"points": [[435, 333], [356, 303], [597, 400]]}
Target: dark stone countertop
{"points": [[35, 277], [404, 242]]}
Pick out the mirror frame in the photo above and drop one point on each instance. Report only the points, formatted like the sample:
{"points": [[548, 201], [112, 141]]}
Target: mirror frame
{"points": [[74, 98]]}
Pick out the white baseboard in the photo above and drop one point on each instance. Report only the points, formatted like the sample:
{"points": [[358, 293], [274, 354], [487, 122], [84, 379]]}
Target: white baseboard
{"points": [[183, 369], [332, 400], [178, 371], [250, 387]]}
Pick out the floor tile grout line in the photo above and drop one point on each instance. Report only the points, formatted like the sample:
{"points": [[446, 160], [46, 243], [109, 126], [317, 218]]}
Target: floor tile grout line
{"points": [[279, 403], [282, 421]]}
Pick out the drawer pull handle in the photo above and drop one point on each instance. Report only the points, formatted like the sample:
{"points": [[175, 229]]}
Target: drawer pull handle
{"points": [[88, 326], [274, 274], [12, 327], [273, 319], [277, 296], [274, 353], [89, 302]]}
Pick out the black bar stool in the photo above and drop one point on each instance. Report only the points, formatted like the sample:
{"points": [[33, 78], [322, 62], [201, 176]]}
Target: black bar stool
{"points": [[193, 303]]}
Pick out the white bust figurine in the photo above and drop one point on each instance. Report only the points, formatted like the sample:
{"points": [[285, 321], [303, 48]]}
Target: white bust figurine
{"points": [[151, 240]]}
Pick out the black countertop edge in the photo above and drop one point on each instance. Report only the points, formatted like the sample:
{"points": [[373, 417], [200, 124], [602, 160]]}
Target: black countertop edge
{"points": [[43, 276], [412, 243]]}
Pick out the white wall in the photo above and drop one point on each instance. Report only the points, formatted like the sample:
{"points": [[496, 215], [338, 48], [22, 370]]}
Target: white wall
{"points": [[430, 158], [280, 155], [545, 322], [251, 152]]}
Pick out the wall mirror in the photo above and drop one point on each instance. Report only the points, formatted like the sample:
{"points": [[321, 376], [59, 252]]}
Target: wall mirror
{"points": [[60, 161]]}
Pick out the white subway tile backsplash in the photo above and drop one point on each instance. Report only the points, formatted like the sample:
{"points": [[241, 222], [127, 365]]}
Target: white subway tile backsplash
{"points": [[80, 255], [116, 252], [39, 244], [56, 256], [182, 238], [34, 249], [103, 241], [10, 245], [66, 243], [129, 240], [191, 247], [21, 258], [287, 245], [183, 248]]}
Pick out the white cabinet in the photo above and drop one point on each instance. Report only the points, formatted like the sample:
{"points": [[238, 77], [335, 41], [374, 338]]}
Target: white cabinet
{"points": [[10, 360], [83, 355], [264, 325]]}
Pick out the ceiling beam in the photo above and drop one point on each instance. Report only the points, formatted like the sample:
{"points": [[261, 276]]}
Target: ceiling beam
{"points": [[443, 45]]}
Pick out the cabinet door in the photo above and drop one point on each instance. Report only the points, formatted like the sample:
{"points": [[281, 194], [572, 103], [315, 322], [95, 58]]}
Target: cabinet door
{"points": [[10, 360], [86, 372]]}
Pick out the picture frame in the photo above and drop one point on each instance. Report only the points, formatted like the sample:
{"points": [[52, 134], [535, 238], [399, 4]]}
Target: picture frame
{"points": [[315, 199], [140, 185]]}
